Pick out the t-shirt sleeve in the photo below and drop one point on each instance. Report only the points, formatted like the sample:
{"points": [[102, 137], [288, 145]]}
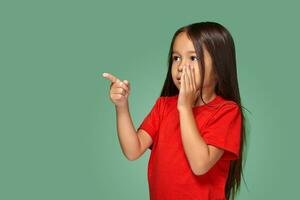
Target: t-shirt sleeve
{"points": [[224, 130], [152, 120]]}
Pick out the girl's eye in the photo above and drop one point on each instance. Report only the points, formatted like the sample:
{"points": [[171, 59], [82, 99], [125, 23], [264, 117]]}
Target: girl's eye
{"points": [[194, 57], [174, 57]]}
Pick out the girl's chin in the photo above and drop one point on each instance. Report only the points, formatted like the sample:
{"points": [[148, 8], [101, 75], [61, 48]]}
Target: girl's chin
{"points": [[177, 84]]}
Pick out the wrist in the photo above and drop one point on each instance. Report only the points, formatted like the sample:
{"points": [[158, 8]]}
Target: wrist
{"points": [[123, 108], [183, 109]]}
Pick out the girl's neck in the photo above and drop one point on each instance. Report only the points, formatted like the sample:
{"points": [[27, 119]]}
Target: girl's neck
{"points": [[207, 97]]}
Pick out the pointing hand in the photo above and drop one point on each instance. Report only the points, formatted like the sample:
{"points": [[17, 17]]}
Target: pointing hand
{"points": [[119, 91]]}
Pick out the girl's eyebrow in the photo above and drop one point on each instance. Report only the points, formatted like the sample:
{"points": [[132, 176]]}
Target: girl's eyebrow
{"points": [[187, 51]]}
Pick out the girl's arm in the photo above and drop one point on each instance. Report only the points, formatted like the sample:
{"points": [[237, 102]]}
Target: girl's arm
{"points": [[133, 144], [200, 155]]}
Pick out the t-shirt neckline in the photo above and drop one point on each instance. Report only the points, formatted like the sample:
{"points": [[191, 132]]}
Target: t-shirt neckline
{"points": [[214, 101]]}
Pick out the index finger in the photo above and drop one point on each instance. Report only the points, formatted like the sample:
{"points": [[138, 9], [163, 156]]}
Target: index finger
{"points": [[110, 77]]}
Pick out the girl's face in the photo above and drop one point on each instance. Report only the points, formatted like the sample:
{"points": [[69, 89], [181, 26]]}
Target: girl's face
{"points": [[184, 54]]}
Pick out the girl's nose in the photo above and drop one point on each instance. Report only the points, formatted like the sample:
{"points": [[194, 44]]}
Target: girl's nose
{"points": [[180, 68]]}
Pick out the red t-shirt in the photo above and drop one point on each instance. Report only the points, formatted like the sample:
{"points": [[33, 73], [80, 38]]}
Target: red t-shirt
{"points": [[169, 174]]}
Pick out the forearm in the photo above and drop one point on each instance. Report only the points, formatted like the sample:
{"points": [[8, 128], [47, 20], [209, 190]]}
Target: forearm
{"points": [[126, 133], [195, 147]]}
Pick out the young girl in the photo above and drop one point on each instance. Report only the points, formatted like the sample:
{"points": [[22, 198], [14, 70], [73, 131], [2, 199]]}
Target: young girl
{"points": [[195, 129]]}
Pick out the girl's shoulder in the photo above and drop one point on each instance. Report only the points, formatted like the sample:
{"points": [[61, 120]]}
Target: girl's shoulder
{"points": [[226, 103], [169, 101], [225, 108], [167, 104]]}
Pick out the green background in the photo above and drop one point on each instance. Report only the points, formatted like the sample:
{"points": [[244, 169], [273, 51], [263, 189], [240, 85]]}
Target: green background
{"points": [[58, 126]]}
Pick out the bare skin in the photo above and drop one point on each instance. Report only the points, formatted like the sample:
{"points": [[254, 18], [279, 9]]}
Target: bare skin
{"points": [[133, 143], [201, 156]]}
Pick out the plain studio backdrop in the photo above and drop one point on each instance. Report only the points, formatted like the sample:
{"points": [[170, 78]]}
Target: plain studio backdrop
{"points": [[58, 136]]}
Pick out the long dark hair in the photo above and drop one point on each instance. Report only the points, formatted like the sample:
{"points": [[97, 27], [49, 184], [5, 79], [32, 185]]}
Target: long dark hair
{"points": [[220, 45]]}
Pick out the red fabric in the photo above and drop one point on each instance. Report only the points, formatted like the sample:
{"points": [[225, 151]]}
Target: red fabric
{"points": [[169, 174]]}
